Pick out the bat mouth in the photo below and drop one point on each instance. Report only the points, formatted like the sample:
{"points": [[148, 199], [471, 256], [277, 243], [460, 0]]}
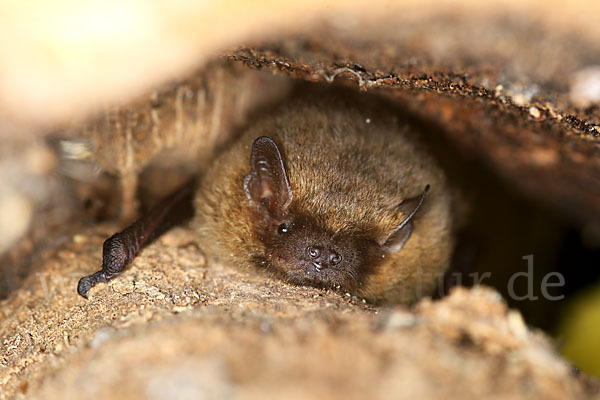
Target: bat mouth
{"points": [[319, 275], [319, 267]]}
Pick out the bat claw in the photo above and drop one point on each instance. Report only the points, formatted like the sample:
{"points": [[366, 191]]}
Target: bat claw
{"points": [[88, 282]]}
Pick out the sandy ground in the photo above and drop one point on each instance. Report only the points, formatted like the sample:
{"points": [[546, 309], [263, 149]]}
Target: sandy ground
{"points": [[174, 327]]}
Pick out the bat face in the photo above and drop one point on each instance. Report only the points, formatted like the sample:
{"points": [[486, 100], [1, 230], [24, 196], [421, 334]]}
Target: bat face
{"points": [[303, 253], [298, 247]]}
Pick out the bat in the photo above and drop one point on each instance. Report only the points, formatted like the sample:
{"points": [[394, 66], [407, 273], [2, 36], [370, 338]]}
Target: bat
{"points": [[321, 191]]}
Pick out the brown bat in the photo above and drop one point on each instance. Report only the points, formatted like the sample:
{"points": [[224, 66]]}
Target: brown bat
{"points": [[323, 193]]}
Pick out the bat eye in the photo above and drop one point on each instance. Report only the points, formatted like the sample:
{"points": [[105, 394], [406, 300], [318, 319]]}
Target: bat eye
{"points": [[313, 252], [283, 228], [335, 258]]}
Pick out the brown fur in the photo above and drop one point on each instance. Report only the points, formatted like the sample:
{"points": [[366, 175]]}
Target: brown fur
{"points": [[348, 174]]}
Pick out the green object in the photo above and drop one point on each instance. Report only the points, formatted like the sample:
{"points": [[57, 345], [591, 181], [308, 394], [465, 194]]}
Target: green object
{"points": [[580, 330]]}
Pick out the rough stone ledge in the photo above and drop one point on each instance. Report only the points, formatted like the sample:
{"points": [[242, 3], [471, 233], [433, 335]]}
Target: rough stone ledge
{"points": [[174, 327]]}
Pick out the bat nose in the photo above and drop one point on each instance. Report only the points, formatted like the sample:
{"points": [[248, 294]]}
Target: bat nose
{"points": [[322, 257]]}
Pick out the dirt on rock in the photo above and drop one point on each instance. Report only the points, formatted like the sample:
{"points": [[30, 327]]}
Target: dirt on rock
{"points": [[173, 326], [493, 86]]}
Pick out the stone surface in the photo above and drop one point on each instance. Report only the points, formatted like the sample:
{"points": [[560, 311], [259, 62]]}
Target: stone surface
{"points": [[173, 326], [491, 84]]}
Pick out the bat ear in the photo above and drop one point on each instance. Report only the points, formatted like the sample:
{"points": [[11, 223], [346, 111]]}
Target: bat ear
{"points": [[396, 239], [267, 186]]}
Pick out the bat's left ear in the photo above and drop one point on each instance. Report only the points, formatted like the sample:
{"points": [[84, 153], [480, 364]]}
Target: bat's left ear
{"points": [[398, 237], [267, 186]]}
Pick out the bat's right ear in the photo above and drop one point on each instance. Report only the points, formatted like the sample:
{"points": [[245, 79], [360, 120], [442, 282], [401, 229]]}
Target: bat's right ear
{"points": [[267, 186]]}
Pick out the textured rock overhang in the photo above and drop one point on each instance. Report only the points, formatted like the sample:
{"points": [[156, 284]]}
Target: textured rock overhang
{"points": [[513, 83]]}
